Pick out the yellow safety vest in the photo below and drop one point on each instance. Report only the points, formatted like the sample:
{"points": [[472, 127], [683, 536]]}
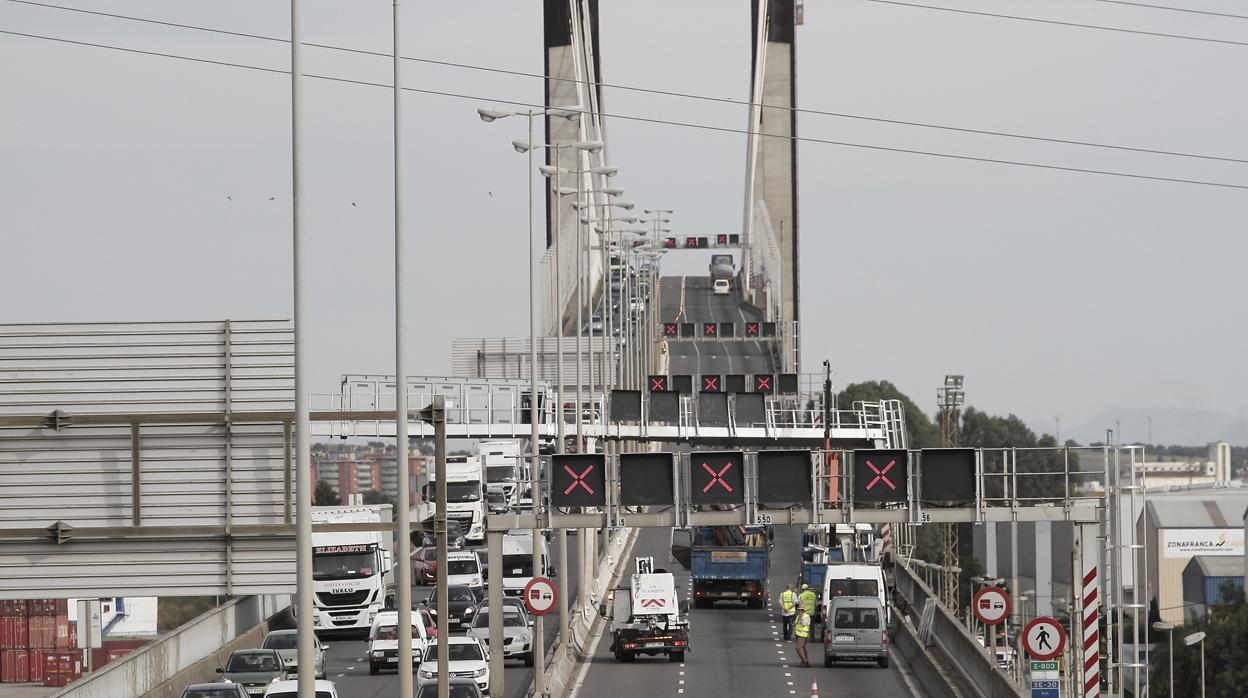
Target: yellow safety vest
{"points": [[802, 626], [788, 602], [808, 601]]}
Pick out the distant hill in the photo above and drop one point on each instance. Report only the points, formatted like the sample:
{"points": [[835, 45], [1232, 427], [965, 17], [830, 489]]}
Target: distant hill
{"points": [[1170, 426]]}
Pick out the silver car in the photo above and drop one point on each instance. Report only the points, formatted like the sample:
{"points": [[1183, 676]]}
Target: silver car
{"points": [[286, 644], [517, 635], [856, 631]]}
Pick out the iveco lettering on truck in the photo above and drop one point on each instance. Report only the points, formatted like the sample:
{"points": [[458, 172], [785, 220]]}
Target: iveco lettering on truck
{"points": [[352, 572], [465, 497]]}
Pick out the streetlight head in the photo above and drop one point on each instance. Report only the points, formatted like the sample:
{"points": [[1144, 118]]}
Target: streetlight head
{"points": [[1194, 638], [626, 205], [566, 191], [487, 114], [1162, 625], [522, 146], [568, 113], [548, 170], [590, 146], [612, 191], [607, 170]]}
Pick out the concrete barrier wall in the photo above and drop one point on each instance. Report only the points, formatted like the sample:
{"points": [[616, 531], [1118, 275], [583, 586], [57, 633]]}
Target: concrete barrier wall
{"points": [[968, 658], [930, 678], [186, 655]]}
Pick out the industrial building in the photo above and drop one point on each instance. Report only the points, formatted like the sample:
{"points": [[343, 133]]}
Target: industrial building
{"points": [[1176, 529]]}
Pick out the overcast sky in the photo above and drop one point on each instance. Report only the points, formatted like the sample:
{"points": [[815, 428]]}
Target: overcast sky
{"points": [[135, 187]]}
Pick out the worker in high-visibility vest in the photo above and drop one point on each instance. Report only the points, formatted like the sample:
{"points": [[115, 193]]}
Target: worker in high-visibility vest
{"points": [[808, 599], [801, 628], [788, 610]]}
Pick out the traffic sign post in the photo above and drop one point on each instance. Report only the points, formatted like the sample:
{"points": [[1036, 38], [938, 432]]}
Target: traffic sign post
{"points": [[991, 606], [540, 596]]}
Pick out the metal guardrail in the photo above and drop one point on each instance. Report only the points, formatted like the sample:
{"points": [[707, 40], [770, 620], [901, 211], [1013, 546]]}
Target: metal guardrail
{"points": [[969, 658]]}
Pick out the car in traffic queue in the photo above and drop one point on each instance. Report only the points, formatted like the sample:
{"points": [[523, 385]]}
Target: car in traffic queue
{"points": [[214, 690], [286, 642], [518, 603], [466, 658], [431, 624], [517, 635], [425, 565], [290, 689], [721, 287], [383, 641], [461, 603], [253, 669], [456, 688], [856, 631], [464, 567]]}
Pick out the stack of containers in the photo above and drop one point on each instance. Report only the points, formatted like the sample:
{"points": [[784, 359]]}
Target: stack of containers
{"points": [[29, 631]]}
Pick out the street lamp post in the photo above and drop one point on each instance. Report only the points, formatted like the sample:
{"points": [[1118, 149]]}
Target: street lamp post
{"points": [[1169, 630], [1198, 638]]}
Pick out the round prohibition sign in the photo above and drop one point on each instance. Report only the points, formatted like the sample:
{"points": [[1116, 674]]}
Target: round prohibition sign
{"points": [[540, 596], [991, 605], [1044, 638]]}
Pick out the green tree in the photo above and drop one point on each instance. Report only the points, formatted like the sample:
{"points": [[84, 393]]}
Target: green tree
{"points": [[920, 431], [1040, 474], [375, 497], [326, 495], [1225, 644]]}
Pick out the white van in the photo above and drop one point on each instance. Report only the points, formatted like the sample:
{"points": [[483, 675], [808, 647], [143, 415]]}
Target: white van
{"points": [[721, 287], [517, 568], [854, 579], [464, 567], [383, 641]]}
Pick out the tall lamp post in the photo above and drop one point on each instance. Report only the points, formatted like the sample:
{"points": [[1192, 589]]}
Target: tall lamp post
{"points": [[490, 115], [1168, 628], [1197, 638]]}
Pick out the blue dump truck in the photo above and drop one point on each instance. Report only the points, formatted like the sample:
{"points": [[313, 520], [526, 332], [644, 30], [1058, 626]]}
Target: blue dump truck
{"points": [[728, 563]]}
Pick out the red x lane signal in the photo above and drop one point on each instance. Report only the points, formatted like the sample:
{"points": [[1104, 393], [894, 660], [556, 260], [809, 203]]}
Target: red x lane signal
{"points": [[670, 329], [578, 480], [669, 243], [658, 384], [762, 383], [880, 476], [691, 242], [721, 239], [751, 329], [710, 384], [710, 329], [717, 478]]}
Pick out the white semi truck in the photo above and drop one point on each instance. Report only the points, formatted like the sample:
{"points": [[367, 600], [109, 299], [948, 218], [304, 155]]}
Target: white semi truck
{"points": [[503, 464], [465, 497], [352, 572]]}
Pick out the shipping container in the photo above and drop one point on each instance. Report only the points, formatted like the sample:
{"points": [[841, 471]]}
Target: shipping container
{"points": [[62, 632], [61, 668], [41, 633], [36, 666], [14, 666]]}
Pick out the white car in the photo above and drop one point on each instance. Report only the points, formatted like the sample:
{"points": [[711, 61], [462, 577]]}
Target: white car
{"points": [[464, 568], [383, 641], [290, 689], [721, 287], [466, 658], [517, 635]]}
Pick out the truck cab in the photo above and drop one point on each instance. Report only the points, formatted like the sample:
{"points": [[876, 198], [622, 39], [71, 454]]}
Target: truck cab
{"points": [[502, 461], [352, 572], [648, 618], [465, 497]]}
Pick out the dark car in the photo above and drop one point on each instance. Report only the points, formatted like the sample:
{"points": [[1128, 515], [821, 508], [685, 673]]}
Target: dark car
{"points": [[254, 669], [461, 603], [459, 688], [214, 690]]}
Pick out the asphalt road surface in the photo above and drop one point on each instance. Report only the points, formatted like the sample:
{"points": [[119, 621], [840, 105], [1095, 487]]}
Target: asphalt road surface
{"points": [[737, 651], [689, 299], [346, 661]]}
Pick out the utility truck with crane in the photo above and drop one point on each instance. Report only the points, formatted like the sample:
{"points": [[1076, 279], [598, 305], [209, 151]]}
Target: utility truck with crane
{"points": [[647, 617]]}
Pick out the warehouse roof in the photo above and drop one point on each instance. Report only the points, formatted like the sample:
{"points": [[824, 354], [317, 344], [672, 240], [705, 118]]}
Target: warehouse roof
{"points": [[1218, 565], [1198, 511]]}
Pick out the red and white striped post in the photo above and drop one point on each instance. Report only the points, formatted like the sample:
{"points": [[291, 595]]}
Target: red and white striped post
{"points": [[1090, 606]]}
